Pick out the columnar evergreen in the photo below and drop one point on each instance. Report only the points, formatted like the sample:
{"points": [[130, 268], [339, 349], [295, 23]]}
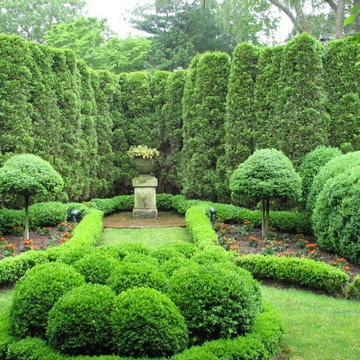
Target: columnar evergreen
{"points": [[15, 77], [172, 141], [205, 134], [300, 110], [83, 121], [266, 94], [240, 105], [342, 86]]}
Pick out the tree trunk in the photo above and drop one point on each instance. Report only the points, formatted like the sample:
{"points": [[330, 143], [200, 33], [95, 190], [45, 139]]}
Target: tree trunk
{"points": [[263, 222], [357, 19], [27, 203], [340, 13], [267, 210]]}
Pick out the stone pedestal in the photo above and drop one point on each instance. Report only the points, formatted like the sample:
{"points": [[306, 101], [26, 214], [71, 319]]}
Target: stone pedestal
{"points": [[145, 197]]}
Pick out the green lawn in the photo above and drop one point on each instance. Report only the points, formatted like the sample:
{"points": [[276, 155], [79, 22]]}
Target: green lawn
{"points": [[153, 237], [318, 327]]}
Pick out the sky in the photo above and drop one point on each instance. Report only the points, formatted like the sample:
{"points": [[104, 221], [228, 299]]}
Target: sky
{"points": [[115, 12]]}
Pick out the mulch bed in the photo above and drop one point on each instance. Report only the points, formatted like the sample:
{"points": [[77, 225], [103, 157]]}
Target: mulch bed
{"points": [[246, 239], [39, 239]]}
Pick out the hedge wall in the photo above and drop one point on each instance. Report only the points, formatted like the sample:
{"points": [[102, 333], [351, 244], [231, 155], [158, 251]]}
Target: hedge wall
{"points": [[293, 97]]}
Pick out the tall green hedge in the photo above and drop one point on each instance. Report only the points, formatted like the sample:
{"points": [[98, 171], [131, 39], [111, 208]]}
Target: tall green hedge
{"points": [[240, 105], [266, 96], [300, 109], [342, 82], [83, 121], [172, 139], [204, 140]]}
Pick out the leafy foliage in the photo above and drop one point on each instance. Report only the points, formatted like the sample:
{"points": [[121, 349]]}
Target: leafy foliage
{"points": [[202, 293], [266, 174], [203, 130], [36, 293], [312, 163], [32, 20], [335, 216], [146, 322], [79, 322]]}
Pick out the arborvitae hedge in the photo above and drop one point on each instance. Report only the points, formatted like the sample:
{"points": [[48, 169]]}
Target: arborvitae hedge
{"points": [[342, 87], [300, 109], [204, 140], [15, 78], [172, 141], [83, 121], [240, 106], [266, 93]]}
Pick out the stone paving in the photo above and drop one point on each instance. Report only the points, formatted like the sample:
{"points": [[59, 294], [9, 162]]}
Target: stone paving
{"points": [[124, 220]]}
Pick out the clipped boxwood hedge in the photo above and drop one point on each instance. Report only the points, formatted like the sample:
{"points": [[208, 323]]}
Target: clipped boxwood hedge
{"points": [[294, 271]]}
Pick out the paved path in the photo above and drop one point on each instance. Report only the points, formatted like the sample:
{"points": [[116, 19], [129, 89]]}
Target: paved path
{"points": [[125, 220]]}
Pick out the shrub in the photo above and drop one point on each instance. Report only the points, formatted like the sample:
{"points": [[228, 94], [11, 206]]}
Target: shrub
{"points": [[146, 322], [312, 162], [212, 254], [95, 267], [336, 215], [199, 227], [307, 273], [117, 203], [130, 275], [333, 168], [166, 252], [79, 322], [170, 266], [47, 214], [13, 268], [267, 174], [353, 291], [132, 248], [217, 301], [261, 343], [140, 258], [36, 293]]}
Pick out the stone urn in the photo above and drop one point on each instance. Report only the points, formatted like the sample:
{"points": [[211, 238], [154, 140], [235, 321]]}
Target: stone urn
{"points": [[144, 166]]}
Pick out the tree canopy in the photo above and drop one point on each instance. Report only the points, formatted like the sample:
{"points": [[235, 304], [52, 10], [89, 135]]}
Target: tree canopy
{"points": [[266, 174], [93, 41], [31, 19], [28, 175]]}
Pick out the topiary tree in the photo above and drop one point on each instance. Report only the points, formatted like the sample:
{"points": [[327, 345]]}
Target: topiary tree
{"points": [[28, 175], [267, 174]]}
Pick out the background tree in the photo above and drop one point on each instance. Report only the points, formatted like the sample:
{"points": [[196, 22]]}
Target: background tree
{"points": [[179, 30], [267, 174], [248, 20], [31, 19], [28, 175], [92, 40]]}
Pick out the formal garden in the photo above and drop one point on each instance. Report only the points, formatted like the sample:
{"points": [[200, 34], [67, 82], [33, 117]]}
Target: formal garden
{"points": [[259, 153]]}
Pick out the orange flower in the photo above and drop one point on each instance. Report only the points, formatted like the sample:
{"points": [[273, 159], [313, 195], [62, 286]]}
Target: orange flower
{"points": [[346, 268], [311, 245], [247, 222], [35, 247], [2, 239]]}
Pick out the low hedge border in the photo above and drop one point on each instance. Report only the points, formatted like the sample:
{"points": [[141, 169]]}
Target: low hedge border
{"points": [[287, 221], [85, 235], [305, 273], [261, 343]]}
